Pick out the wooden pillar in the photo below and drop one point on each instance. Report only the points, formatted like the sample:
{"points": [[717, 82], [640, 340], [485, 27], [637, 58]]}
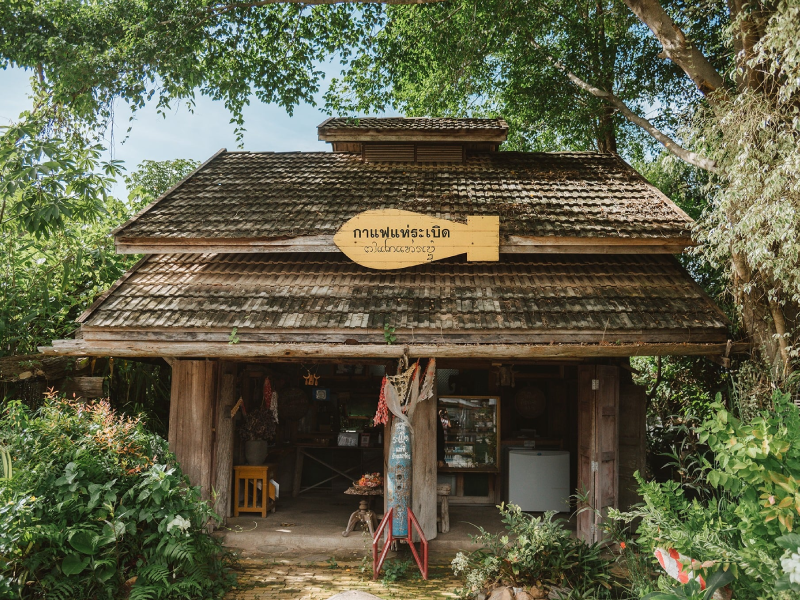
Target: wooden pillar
{"points": [[223, 440], [632, 442], [423, 456], [191, 419], [598, 446]]}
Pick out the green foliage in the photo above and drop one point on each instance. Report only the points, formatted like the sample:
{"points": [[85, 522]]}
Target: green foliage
{"points": [[47, 181], [490, 57], [52, 274], [5, 459], [48, 281], [395, 570], [536, 551], [153, 178], [744, 499], [692, 590], [790, 563], [88, 54], [388, 334], [97, 508]]}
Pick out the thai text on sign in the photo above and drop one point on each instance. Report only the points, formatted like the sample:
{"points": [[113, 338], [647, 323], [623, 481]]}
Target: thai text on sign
{"points": [[393, 239]]}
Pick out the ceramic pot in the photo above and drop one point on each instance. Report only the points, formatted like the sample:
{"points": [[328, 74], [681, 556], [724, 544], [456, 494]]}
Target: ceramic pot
{"points": [[255, 451]]}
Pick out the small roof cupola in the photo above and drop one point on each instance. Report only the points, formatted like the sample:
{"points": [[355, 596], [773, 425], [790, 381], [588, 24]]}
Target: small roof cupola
{"points": [[413, 140]]}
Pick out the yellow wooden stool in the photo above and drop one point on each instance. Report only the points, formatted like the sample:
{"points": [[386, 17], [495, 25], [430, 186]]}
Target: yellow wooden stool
{"points": [[252, 491]]}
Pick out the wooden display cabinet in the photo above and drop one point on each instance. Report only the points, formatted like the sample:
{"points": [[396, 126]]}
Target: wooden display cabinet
{"points": [[472, 447]]}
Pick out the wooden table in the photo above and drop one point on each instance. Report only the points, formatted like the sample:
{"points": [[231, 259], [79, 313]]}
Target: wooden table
{"points": [[348, 474], [364, 513]]}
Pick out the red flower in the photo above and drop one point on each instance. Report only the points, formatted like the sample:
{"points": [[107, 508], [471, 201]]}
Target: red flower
{"points": [[622, 545]]}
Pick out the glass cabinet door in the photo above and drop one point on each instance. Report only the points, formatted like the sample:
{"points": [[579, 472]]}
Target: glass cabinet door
{"points": [[470, 432]]}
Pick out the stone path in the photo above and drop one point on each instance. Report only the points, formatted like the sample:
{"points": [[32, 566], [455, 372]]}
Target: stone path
{"points": [[296, 579]]}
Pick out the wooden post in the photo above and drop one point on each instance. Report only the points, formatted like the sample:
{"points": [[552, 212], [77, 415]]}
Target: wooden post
{"points": [[191, 419], [423, 490], [598, 445], [632, 444], [223, 441]]}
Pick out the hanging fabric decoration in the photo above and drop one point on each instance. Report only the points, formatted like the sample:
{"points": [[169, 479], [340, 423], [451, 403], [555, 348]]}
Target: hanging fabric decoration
{"points": [[267, 392], [382, 414], [428, 382], [274, 405]]}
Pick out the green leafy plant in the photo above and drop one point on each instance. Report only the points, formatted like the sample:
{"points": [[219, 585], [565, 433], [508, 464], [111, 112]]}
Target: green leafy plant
{"points": [[233, 338], [5, 462], [790, 563], [394, 570], [536, 551], [388, 334], [742, 505], [693, 590], [98, 508]]}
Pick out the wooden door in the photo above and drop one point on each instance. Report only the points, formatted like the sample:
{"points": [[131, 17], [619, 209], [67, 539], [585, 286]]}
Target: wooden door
{"points": [[598, 446]]}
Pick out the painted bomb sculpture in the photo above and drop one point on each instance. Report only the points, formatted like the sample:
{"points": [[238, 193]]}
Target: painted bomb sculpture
{"points": [[400, 394]]}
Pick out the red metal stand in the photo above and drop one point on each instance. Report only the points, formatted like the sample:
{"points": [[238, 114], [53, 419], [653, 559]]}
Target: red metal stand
{"points": [[413, 524]]}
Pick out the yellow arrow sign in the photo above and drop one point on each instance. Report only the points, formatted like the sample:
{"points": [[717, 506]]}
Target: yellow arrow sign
{"points": [[394, 239]]}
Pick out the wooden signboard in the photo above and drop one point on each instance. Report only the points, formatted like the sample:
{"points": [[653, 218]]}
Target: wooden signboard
{"points": [[394, 239]]}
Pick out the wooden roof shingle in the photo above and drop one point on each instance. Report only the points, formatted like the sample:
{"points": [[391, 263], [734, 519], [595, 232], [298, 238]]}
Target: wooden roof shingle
{"points": [[326, 297]]}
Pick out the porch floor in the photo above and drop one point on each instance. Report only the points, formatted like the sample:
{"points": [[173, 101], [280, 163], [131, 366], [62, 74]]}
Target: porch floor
{"points": [[312, 525]]}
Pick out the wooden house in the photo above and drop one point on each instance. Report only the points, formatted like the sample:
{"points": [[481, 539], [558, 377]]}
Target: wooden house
{"points": [[241, 280]]}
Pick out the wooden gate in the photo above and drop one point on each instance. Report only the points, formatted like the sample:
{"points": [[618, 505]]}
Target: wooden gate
{"points": [[598, 446]]}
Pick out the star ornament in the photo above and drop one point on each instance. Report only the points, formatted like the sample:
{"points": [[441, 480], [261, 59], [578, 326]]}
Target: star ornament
{"points": [[311, 379]]}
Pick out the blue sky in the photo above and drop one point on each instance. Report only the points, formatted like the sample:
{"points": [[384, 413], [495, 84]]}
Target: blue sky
{"points": [[185, 134]]}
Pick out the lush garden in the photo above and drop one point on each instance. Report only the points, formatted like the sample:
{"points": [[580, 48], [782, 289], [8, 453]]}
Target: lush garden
{"points": [[93, 505]]}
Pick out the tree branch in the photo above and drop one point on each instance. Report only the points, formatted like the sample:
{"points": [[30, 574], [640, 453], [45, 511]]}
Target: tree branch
{"points": [[675, 45], [693, 158]]}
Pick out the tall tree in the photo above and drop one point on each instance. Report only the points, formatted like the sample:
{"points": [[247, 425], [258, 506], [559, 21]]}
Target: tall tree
{"points": [[722, 78]]}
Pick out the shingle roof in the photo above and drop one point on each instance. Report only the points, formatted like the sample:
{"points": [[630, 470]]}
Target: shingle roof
{"points": [[524, 298], [413, 124], [268, 196]]}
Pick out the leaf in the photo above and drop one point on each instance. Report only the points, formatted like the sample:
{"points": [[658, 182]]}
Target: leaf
{"points": [[73, 564], [82, 541], [718, 579]]}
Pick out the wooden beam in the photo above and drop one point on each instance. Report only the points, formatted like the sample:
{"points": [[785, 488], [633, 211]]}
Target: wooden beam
{"points": [[376, 337], [411, 135], [324, 243], [494, 351]]}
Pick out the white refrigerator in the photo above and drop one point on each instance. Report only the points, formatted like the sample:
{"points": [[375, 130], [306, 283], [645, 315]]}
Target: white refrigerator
{"points": [[538, 480]]}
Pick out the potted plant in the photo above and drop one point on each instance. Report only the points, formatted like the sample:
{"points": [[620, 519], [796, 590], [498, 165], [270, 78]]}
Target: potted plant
{"points": [[256, 433]]}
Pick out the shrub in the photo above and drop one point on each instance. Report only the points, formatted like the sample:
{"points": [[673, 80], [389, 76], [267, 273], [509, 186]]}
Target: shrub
{"points": [[98, 508], [536, 551], [747, 497]]}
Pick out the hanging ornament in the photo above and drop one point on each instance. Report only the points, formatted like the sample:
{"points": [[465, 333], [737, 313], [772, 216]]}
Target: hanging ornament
{"points": [[310, 379]]}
